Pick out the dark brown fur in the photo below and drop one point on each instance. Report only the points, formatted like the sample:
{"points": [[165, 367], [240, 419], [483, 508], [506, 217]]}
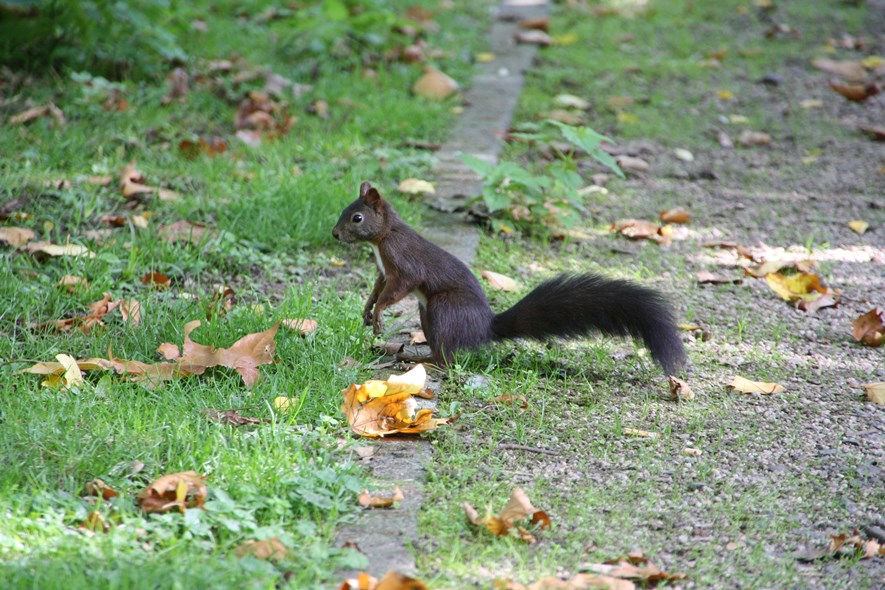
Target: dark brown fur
{"points": [[455, 313]]}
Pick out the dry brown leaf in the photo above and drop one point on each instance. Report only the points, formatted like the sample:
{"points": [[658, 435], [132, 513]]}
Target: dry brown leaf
{"points": [[156, 279], [434, 85], [499, 281], [35, 113], [518, 507], [641, 433], [363, 581], [71, 282], [541, 23], [266, 549], [749, 138], [849, 70], [231, 417], [875, 392], [179, 87], [389, 348], [417, 338], [874, 131], [746, 386], [96, 523], [706, 277], [175, 491], [635, 566], [825, 300], [16, 236], [856, 92], [508, 399], [691, 452], [639, 229], [209, 146], [632, 164], [302, 325], [98, 488], [185, 231], [244, 356], [679, 390], [675, 216], [260, 117], [533, 37], [380, 500], [869, 328]]}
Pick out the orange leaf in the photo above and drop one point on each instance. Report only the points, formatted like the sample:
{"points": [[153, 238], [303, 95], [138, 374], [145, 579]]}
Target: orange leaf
{"points": [[175, 491], [869, 328], [267, 549]]}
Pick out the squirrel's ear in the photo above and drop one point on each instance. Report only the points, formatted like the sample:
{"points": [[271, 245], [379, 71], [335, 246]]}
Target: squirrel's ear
{"points": [[372, 196], [364, 189]]}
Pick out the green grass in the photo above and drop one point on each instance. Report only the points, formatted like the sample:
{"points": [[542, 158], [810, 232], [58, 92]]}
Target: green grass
{"points": [[272, 209]]}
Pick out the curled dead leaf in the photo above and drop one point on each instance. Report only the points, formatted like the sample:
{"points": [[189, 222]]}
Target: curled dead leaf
{"points": [[875, 392], [380, 500], [856, 92], [175, 491], [100, 489], [679, 390], [434, 85], [16, 236], [499, 281], [675, 216], [869, 329], [744, 385], [267, 549], [302, 325]]}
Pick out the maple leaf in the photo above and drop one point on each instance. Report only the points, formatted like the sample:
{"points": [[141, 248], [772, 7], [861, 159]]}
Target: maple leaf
{"points": [[518, 507]]}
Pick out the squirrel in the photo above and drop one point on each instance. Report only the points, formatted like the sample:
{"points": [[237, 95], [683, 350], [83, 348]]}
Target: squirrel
{"points": [[455, 313]]}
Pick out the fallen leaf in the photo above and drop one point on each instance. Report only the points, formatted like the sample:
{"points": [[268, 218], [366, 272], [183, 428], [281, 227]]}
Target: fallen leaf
{"points": [[801, 285], [244, 356], [499, 281], [683, 154], [363, 581], [634, 567], [260, 117], [397, 581], [96, 523], [185, 231], [285, 404], [875, 392], [869, 328], [381, 500], [16, 236], [417, 338], [563, 116], [232, 417], [706, 277], [55, 250], [179, 87], [533, 37], [691, 452], [509, 399], [415, 186], [485, 57], [570, 101], [175, 491], [266, 549], [100, 489], [434, 85], [631, 164], [378, 408], [130, 310], [72, 282], [301, 325], [389, 348], [518, 507], [876, 132], [679, 390], [35, 113], [851, 71], [156, 279], [750, 138], [746, 386], [858, 226], [856, 92], [638, 229], [641, 433], [811, 103], [825, 300], [675, 216], [541, 23]]}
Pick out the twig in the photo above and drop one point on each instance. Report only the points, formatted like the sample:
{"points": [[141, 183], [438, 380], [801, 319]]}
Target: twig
{"points": [[528, 449]]}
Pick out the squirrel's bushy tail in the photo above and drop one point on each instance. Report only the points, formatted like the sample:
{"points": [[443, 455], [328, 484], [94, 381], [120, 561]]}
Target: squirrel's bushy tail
{"points": [[573, 305]]}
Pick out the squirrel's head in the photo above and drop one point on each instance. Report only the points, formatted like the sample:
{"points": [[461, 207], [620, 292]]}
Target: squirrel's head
{"points": [[364, 219]]}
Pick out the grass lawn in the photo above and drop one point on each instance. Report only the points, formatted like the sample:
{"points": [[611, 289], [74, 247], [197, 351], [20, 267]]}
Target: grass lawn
{"points": [[269, 210]]}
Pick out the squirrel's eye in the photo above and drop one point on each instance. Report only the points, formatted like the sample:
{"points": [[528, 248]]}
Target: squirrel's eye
{"points": [[357, 218]]}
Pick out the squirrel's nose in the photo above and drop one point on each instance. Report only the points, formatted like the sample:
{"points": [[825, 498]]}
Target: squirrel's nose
{"points": [[335, 233]]}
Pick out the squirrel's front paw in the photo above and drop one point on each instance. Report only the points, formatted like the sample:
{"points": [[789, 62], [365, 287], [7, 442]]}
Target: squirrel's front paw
{"points": [[377, 327]]}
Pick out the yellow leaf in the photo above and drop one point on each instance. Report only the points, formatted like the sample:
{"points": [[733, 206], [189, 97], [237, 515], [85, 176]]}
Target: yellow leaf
{"points": [[415, 186], [485, 57], [858, 226], [871, 62], [725, 94], [801, 285], [284, 404], [627, 118], [565, 39], [875, 392], [746, 386], [72, 376]]}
